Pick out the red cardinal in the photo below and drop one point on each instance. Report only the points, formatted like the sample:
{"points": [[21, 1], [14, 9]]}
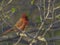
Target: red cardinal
{"points": [[21, 24]]}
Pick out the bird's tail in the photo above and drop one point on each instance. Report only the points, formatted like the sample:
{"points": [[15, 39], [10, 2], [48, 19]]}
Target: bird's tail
{"points": [[7, 31]]}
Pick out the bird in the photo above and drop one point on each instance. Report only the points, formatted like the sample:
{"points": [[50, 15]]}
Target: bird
{"points": [[23, 21], [20, 24]]}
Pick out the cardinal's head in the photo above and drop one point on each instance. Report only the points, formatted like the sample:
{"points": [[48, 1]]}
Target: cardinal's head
{"points": [[24, 15]]}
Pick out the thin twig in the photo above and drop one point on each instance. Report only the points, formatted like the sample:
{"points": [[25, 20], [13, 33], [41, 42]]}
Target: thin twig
{"points": [[18, 41]]}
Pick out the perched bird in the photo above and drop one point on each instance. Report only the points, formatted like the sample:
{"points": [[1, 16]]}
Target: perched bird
{"points": [[23, 22], [20, 24]]}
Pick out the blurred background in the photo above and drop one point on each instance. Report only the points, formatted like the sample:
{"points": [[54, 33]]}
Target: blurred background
{"points": [[36, 10]]}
